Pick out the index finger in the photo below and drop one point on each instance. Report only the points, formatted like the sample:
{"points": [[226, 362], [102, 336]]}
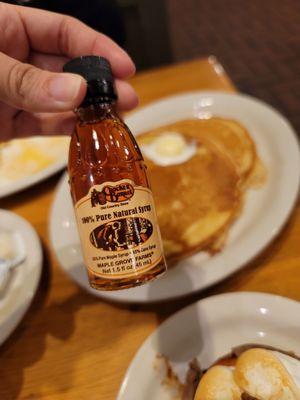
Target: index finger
{"points": [[54, 33]]}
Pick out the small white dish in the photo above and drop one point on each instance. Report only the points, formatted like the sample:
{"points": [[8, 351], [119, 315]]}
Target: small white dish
{"points": [[23, 281], [264, 213], [208, 330], [60, 155]]}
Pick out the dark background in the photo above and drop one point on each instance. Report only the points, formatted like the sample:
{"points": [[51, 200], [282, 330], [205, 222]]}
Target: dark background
{"points": [[258, 42]]}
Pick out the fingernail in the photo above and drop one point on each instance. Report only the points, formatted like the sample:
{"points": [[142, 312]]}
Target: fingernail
{"points": [[65, 87]]}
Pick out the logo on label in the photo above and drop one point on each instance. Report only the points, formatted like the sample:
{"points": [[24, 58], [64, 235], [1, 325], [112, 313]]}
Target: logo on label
{"points": [[121, 234], [112, 194]]}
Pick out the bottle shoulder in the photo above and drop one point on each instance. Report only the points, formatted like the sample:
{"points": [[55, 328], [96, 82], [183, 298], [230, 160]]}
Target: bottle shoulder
{"points": [[108, 141]]}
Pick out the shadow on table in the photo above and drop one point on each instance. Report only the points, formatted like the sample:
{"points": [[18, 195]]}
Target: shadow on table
{"points": [[27, 344], [177, 347]]}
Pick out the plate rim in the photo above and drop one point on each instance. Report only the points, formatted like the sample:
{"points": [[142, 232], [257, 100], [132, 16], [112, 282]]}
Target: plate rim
{"points": [[215, 92], [262, 296], [286, 213], [34, 283]]}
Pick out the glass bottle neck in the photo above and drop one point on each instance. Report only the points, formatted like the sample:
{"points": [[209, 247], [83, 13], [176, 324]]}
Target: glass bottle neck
{"points": [[97, 111]]}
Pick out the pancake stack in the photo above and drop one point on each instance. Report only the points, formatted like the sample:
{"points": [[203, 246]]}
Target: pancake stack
{"points": [[199, 170]]}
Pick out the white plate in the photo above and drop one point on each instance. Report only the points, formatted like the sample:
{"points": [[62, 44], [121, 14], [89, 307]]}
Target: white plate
{"points": [[36, 177], [264, 213], [208, 330], [22, 285]]}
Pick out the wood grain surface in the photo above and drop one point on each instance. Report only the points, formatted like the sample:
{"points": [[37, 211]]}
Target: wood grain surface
{"points": [[71, 345]]}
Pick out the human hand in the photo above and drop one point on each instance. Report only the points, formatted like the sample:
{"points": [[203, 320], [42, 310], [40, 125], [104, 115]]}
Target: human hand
{"points": [[34, 45]]}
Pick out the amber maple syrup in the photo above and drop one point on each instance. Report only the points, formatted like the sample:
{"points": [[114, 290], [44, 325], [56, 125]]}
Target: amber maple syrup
{"points": [[113, 202]]}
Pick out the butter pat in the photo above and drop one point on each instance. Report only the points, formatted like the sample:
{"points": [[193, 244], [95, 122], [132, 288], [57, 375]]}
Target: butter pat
{"points": [[169, 148]]}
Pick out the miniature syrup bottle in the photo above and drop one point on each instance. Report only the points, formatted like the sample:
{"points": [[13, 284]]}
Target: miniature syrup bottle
{"points": [[113, 202]]}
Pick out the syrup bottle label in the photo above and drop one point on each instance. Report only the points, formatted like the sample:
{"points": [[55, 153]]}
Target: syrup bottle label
{"points": [[118, 230]]}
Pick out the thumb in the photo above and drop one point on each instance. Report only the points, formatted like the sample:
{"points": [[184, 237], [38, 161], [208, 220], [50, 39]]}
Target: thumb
{"points": [[32, 89]]}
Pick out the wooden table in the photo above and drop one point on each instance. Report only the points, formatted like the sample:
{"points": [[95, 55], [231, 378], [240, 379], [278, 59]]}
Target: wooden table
{"points": [[71, 345]]}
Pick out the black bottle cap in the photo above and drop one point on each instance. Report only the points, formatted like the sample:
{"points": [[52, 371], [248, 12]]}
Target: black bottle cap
{"points": [[97, 72]]}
